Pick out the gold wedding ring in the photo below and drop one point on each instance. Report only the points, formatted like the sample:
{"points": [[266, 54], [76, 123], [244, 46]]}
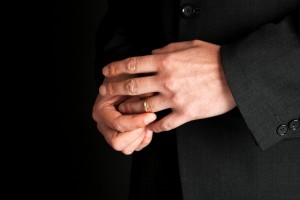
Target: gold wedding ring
{"points": [[146, 106]]}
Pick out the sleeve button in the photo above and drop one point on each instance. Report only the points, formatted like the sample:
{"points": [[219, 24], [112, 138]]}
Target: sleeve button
{"points": [[282, 130], [294, 124]]}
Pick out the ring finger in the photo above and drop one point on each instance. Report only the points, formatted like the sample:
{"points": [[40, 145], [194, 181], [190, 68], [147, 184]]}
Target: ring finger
{"points": [[152, 104]]}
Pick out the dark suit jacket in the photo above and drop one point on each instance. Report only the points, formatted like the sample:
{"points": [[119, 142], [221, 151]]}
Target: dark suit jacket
{"points": [[251, 152]]}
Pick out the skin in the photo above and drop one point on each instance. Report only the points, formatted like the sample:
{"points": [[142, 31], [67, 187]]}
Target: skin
{"points": [[186, 77], [125, 133]]}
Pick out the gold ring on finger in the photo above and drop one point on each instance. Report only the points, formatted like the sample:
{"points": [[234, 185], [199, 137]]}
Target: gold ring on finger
{"points": [[146, 106]]}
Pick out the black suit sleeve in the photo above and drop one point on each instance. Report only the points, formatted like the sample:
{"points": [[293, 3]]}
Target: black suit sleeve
{"points": [[263, 73]]}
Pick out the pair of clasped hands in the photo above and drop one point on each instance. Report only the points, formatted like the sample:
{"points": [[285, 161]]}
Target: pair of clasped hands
{"points": [[186, 77]]}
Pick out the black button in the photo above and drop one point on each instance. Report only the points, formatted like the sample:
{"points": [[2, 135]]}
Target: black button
{"points": [[294, 124], [282, 130], [188, 10]]}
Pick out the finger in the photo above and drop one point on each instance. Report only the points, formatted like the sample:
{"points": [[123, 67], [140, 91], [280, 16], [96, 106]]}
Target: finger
{"points": [[134, 86], [104, 107], [146, 141], [167, 123], [124, 123], [131, 147], [155, 104], [133, 99], [121, 141], [132, 65], [147, 95], [107, 132], [177, 46], [139, 97]]}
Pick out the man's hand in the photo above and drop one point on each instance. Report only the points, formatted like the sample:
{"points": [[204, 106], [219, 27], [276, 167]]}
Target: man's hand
{"points": [[187, 77], [126, 133]]}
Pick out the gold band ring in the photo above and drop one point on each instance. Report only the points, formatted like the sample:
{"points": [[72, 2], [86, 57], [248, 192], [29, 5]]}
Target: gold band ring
{"points": [[146, 106]]}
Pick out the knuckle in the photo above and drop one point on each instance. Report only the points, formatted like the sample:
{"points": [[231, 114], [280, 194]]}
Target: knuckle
{"points": [[166, 126], [189, 113], [116, 144], [112, 68], [116, 125], [167, 63], [170, 46], [195, 42], [94, 113], [178, 101], [169, 83], [166, 60], [94, 116], [97, 112], [110, 88], [131, 64], [127, 108], [131, 86]]}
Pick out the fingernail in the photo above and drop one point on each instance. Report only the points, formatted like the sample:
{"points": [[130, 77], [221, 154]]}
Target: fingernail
{"points": [[105, 71], [150, 119], [102, 90]]}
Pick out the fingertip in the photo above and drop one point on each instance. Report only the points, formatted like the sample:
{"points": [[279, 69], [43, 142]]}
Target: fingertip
{"points": [[121, 108], [105, 71], [154, 51], [102, 90], [150, 118], [153, 116]]}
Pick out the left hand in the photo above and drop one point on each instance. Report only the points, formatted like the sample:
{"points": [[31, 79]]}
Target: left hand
{"points": [[187, 77], [126, 133]]}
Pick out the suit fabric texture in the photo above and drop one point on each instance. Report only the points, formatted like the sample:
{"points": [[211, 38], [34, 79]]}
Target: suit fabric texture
{"points": [[253, 151]]}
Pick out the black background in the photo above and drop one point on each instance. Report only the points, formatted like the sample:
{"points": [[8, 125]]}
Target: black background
{"points": [[93, 170]]}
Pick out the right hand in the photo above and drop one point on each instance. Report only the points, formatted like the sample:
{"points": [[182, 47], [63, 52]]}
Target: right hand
{"points": [[125, 133]]}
